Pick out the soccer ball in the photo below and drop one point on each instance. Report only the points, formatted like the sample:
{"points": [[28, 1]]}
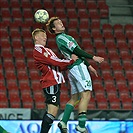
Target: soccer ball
{"points": [[41, 16]]}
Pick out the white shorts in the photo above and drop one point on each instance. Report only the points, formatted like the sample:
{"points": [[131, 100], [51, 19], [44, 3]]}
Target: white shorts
{"points": [[80, 79]]}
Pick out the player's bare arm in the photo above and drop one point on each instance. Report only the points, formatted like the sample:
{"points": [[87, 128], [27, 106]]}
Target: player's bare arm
{"points": [[93, 70]]}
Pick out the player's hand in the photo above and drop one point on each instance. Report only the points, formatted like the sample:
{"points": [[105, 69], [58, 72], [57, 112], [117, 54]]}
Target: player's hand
{"points": [[74, 57], [98, 59], [93, 70]]}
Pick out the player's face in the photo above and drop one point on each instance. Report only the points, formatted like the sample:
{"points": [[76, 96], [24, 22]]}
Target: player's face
{"points": [[59, 27], [41, 38]]}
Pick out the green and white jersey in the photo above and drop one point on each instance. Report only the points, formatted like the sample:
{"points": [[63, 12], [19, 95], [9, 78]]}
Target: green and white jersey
{"points": [[66, 45]]}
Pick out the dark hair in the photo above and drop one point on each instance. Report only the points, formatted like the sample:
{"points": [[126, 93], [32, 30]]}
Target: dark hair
{"points": [[50, 24]]}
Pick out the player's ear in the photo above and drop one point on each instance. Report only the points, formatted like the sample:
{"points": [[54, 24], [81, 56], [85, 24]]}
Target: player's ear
{"points": [[36, 37]]}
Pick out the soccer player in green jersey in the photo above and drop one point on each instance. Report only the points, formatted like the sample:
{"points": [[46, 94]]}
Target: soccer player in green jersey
{"points": [[79, 77]]}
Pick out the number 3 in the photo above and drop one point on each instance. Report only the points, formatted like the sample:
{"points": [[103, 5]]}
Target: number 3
{"points": [[53, 99]]}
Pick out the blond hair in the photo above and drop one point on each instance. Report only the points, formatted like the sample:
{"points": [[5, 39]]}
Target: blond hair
{"points": [[50, 24], [36, 31]]}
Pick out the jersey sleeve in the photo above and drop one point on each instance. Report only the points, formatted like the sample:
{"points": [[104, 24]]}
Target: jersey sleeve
{"points": [[81, 53], [44, 58]]}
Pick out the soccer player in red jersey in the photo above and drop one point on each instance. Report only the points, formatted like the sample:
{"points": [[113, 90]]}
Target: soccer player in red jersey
{"points": [[50, 66]]}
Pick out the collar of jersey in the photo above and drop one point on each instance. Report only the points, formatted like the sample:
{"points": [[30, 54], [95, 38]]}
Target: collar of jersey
{"points": [[59, 33], [39, 45]]}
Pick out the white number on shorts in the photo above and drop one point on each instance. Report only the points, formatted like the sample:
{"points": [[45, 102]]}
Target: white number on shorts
{"points": [[53, 99]]}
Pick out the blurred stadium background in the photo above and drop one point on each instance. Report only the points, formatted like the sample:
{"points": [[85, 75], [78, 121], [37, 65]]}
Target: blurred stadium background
{"points": [[101, 27]]}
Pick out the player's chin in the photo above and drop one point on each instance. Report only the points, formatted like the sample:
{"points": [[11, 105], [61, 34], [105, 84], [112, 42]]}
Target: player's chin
{"points": [[63, 28]]}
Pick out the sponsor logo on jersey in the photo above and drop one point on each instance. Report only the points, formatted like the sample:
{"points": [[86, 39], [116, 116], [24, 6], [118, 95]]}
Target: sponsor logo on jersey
{"points": [[45, 54], [70, 44]]}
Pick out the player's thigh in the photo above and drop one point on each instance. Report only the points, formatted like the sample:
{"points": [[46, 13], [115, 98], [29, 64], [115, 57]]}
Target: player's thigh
{"points": [[52, 109], [86, 94]]}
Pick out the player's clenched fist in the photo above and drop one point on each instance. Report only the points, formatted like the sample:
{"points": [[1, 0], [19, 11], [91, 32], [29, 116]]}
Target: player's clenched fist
{"points": [[98, 59]]}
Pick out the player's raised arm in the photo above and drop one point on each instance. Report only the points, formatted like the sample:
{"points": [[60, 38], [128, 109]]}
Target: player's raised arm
{"points": [[81, 53]]}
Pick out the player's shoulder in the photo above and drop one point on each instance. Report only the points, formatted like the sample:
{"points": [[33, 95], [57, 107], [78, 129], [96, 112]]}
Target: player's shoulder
{"points": [[60, 35], [39, 48]]}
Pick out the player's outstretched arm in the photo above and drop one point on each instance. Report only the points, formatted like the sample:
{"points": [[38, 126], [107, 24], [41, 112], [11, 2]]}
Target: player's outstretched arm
{"points": [[98, 59], [81, 53]]}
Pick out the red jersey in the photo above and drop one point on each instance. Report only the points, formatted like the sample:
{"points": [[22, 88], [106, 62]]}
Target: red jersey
{"points": [[49, 65]]}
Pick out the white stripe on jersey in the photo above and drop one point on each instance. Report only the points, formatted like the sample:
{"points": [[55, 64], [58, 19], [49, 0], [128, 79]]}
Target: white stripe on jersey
{"points": [[64, 38], [50, 52], [58, 77], [60, 60], [38, 49], [46, 49]]}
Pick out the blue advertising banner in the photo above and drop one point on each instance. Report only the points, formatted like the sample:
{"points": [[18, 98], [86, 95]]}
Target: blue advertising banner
{"points": [[32, 126]]}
